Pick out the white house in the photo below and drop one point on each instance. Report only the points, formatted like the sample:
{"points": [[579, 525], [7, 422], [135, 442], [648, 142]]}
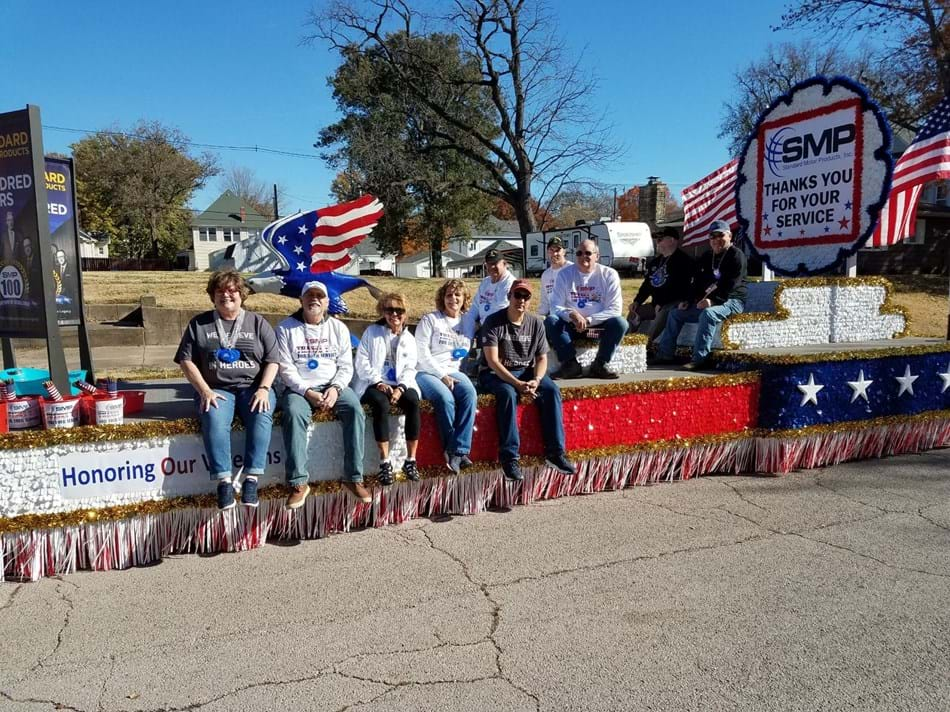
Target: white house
{"points": [[92, 248], [468, 245], [419, 265], [225, 222]]}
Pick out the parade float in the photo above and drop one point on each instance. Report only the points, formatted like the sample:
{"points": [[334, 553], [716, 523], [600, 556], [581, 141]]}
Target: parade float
{"points": [[819, 372]]}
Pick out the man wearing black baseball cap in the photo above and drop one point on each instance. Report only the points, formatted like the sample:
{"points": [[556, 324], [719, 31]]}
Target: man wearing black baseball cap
{"points": [[492, 294], [719, 291], [667, 282]]}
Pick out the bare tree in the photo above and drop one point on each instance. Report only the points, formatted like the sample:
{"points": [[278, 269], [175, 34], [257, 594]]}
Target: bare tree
{"points": [[783, 66], [255, 193], [545, 129], [916, 31]]}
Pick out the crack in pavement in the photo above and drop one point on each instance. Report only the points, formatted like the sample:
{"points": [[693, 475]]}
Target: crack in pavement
{"points": [[869, 557], [495, 617], [34, 701], [920, 513], [738, 493], [629, 560], [105, 682], [13, 595], [822, 485], [62, 631]]}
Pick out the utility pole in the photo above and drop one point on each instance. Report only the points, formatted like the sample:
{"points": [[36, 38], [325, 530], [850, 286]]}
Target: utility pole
{"points": [[613, 215], [276, 214]]}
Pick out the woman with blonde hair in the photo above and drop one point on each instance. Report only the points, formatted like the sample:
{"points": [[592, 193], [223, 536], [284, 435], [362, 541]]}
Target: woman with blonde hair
{"points": [[385, 376], [442, 346]]}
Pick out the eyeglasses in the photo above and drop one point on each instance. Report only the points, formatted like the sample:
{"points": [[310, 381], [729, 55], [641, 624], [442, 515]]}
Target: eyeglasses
{"points": [[583, 253], [228, 290], [524, 296], [718, 236], [397, 311]]}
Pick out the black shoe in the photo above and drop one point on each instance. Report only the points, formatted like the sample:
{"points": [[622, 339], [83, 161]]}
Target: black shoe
{"points": [[225, 495], [703, 365], [569, 369], [561, 464], [465, 462], [658, 360], [600, 370], [385, 473], [410, 470], [249, 492], [512, 471]]}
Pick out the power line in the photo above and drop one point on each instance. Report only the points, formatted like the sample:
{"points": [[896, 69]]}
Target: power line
{"points": [[215, 146]]}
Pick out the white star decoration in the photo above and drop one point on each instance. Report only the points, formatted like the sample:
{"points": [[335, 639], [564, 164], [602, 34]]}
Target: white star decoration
{"points": [[810, 390], [281, 239], [298, 250], [302, 229], [906, 381], [300, 266], [859, 387], [945, 377]]}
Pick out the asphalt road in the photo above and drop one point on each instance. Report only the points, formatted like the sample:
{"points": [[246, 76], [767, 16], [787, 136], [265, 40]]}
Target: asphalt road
{"points": [[822, 590]]}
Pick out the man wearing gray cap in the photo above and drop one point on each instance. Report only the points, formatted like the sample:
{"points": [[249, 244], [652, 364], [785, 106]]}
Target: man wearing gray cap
{"points": [[316, 364], [719, 291]]}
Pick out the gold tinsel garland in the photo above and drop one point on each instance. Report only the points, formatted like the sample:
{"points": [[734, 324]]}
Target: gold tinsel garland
{"points": [[757, 359], [781, 312], [62, 519]]}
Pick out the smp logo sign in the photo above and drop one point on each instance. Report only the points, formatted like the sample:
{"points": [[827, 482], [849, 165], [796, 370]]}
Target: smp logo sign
{"points": [[786, 147], [813, 176]]}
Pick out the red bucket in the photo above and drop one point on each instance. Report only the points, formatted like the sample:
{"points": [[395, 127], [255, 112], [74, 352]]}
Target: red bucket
{"points": [[134, 402], [4, 428], [61, 414]]}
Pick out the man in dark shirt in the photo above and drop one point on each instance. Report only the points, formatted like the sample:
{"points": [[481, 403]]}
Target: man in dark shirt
{"points": [[719, 291], [668, 281], [515, 363]]}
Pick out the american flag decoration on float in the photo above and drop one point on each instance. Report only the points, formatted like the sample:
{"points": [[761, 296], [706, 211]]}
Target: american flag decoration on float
{"points": [[319, 240]]}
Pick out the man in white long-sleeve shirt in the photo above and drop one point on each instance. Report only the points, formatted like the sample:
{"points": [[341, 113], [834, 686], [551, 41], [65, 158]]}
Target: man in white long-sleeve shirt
{"points": [[316, 365], [557, 260], [586, 295], [492, 294]]}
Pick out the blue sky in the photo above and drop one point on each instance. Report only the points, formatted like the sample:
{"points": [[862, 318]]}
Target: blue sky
{"points": [[236, 73]]}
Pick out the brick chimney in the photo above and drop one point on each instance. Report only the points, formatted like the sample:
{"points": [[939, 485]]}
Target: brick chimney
{"points": [[653, 199]]}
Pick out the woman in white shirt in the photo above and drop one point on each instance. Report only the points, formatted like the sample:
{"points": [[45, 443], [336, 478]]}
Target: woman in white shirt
{"points": [[385, 376], [442, 346]]}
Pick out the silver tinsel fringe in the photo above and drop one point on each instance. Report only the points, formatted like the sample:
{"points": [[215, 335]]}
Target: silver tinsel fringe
{"points": [[139, 541]]}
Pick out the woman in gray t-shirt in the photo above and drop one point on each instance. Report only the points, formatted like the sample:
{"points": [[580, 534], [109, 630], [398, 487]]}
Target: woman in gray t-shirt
{"points": [[229, 355]]}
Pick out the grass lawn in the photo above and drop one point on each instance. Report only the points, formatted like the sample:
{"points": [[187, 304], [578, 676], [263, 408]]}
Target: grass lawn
{"points": [[924, 296]]}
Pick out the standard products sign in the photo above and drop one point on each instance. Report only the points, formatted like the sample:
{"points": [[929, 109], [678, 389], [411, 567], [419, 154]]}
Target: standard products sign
{"points": [[814, 176]]}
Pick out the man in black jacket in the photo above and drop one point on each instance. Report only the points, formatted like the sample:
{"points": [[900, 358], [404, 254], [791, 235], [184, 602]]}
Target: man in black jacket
{"points": [[668, 281], [719, 291]]}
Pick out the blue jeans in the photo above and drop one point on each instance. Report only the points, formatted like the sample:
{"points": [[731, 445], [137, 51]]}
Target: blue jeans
{"points": [[216, 432], [506, 402], [562, 334], [296, 420], [708, 319], [454, 409]]}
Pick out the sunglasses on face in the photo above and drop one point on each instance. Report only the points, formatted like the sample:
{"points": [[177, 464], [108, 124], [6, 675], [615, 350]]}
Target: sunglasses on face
{"points": [[397, 311], [584, 253], [717, 236], [229, 290], [524, 296]]}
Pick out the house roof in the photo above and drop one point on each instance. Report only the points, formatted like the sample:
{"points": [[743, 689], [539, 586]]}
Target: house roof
{"points": [[226, 212], [493, 228], [511, 254], [423, 256]]}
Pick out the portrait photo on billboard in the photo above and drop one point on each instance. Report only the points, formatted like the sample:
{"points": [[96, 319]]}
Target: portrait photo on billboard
{"points": [[62, 228], [21, 289], [813, 176]]}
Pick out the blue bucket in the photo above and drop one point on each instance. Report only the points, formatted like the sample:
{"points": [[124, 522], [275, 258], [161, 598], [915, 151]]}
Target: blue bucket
{"points": [[29, 381]]}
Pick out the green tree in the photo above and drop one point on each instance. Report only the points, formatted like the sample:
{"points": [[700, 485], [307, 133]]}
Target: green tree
{"points": [[390, 144], [542, 128], [133, 187]]}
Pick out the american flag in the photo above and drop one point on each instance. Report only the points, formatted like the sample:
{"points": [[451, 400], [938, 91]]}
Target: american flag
{"points": [[710, 198], [319, 241], [926, 159]]}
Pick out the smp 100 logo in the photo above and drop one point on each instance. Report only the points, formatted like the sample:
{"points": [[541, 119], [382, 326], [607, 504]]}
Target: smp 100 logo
{"points": [[785, 147]]}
